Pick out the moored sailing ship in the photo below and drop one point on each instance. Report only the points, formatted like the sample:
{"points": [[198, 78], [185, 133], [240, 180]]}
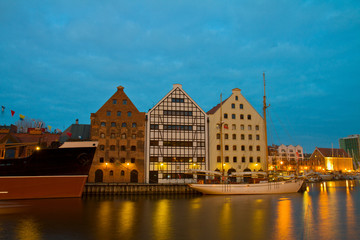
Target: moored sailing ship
{"points": [[264, 187], [47, 173]]}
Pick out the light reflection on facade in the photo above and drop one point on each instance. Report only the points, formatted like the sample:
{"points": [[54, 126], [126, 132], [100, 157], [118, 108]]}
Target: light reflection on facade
{"points": [[162, 220], [28, 229]]}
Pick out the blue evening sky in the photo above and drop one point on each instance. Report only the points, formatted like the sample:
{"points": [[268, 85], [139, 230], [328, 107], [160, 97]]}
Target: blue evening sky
{"points": [[61, 60]]}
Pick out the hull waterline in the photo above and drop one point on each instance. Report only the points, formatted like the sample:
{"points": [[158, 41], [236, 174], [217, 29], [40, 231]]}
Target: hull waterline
{"points": [[246, 189]]}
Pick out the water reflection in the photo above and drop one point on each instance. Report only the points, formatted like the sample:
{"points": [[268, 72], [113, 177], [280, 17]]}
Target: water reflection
{"points": [[325, 211]]}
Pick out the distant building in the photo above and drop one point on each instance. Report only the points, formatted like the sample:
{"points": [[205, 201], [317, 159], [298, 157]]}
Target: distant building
{"points": [[244, 146], [76, 132], [351, 145], [176, 139], [119, 128], [330, 159], [16, 145], [285, 157]]}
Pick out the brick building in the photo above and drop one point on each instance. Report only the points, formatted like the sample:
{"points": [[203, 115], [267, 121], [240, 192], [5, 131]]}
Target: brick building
{"points": [[119, 127]]}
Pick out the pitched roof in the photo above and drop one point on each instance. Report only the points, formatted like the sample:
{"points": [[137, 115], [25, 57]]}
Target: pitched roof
{"points": [[333, 152], [78, 132], [214, 109]]}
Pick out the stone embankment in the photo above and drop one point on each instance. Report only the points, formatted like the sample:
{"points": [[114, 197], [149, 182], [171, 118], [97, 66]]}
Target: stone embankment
{"points": [[136, 189]]}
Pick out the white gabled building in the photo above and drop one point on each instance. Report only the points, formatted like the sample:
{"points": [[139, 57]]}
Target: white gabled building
{"points": [[176, 139], [244, 146]]}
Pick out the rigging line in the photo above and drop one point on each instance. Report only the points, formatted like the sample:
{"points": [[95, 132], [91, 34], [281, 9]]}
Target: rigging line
{"points": [[273, 125], [287, 132]]}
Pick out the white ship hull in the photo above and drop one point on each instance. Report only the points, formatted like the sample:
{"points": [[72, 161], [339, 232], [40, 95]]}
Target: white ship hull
{"points": [[291, 186]]}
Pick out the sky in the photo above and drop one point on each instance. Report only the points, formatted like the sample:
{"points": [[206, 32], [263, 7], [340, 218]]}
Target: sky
{"points": [[62, 60]]}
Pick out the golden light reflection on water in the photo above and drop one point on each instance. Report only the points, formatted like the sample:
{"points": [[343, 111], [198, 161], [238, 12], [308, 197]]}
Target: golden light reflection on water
{"points": [[284, 225], [350, 212], [28, 229], [258, 219], [226, 226], [103, 218], [126, 217], [161, 220]]}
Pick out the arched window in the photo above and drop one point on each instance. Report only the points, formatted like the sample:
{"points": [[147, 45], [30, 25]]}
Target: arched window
{"points": [[257, 148], [111, 173], [123, 124], [133, 148], [122, 173], [129, 114], [250, 148], [99, 175], [133, 125]]}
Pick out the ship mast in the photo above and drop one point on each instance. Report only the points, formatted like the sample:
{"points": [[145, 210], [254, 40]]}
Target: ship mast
{"points": [[221, 141], [265, 128]]}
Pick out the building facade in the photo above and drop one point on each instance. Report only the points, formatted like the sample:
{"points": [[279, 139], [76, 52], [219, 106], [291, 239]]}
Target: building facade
{"points": [[351, 145], [330, 159], [285, 157], [243, 136], [176, 139], [119, 128]]}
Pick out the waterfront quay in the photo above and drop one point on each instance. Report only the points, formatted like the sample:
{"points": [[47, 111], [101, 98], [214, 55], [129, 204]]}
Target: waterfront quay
{"points": [[105, 189]]}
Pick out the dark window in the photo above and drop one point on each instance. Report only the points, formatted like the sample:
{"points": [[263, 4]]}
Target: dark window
{"points": [[177, 113], [178, 143], [234, 136], [122, 173], [178, 127], [226, 147], [133, 160], [133, 125], [108, 113], [133, 148], [123, 124], [225, 115], [103, 124], [242, 136], [154, 126], [112, 135], [112, 147], [249, 117], [234, 159], [114, 101], [118, 113], [124, 102], [218, 136], [257, 127], [251, 159], [177, 100], [154, 159], [241, 116], [218, 159], [242, 159], [250, 137], [236, 98], [217, 147], [122, 160], [242, 147], [258, 148], [113, 124], [102, 147], [250, 148], [241, 106], [233, 116], [226, 159], [257, 137], [129, 114], [234, 148], [226, 136], [112, 160], [111, 172], [154, 143], [258, 159], [101, 160], [123, 148], [233, 105]]}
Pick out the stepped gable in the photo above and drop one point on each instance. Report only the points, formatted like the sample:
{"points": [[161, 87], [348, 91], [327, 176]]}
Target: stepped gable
{"points": [[333, 152]]}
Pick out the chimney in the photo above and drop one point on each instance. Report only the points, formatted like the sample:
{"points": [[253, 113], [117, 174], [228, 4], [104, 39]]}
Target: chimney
{"points": [[177, 86], [77, 121]]}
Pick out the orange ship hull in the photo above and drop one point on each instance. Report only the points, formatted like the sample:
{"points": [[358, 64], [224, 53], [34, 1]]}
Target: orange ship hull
{"points": [[29, 187]]}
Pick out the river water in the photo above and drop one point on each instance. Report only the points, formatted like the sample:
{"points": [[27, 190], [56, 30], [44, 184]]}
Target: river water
{"points": [[329, 210]]}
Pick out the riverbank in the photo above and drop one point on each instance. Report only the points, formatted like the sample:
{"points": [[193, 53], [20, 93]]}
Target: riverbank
{"points": [[137, 189]]}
